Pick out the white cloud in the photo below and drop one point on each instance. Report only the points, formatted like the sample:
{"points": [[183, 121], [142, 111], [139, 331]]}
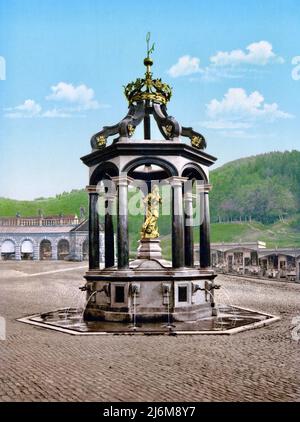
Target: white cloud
{"points": [[30, 106], [258, 53], [227, 64], [238, 111], [28, 109], [186, 65], [56, 113], [225, 124], [75, 99], [80, 95], [237, 105], [238, 134]]}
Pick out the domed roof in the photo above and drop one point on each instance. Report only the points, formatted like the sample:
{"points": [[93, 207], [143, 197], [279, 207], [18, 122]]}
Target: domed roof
{"points": [[148, 96]]}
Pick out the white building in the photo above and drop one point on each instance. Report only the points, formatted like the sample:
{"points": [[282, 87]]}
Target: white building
{"points": [[254, 259], [45, 238]]}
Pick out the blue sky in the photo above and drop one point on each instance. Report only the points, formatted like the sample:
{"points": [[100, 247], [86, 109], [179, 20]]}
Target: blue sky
{"points": [[234, 69]]}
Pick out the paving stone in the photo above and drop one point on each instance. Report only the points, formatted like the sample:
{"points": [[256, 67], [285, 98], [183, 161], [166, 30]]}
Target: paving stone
{"points": [[39, 364]]}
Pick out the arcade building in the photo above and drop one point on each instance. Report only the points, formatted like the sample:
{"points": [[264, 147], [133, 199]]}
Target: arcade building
{"points": [[45, 238]]}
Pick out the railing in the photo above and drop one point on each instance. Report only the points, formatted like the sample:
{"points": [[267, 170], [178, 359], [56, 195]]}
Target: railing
{"points": [[39, 221]]}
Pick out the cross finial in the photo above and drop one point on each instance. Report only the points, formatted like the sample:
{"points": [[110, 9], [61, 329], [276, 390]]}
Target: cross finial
{"points": [[149, 49]]}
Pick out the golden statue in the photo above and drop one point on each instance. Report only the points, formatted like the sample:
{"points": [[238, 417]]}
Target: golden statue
{"points": [[151, 201]]}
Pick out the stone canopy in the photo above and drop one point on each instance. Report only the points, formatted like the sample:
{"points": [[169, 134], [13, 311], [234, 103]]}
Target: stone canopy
{"points": [[117, 156]]}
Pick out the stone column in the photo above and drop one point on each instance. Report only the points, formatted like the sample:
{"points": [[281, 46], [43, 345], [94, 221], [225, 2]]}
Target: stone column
{"points": [[122, 183], [36, 251], [109, 237], [18, 252], [205, 260], [178, 255], [93, 228], [188, 230], [54, 249]]}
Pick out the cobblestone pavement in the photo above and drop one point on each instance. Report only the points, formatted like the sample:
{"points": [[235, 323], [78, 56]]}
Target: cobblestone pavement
{"points": [[44, 365]]}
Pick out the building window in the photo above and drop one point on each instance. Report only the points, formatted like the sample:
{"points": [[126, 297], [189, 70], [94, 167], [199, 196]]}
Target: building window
{"points": [[182, 293], [119, 294]]}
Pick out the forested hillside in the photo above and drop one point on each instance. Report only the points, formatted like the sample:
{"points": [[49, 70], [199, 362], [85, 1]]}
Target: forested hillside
{"points": [[264, 188]]}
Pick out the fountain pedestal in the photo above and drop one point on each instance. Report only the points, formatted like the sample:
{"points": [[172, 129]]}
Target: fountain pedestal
{"points": [[149, 249]]}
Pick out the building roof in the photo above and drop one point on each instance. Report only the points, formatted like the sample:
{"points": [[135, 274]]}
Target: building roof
{"points": [[280, 251], [33, 217], [33, 221], [84, 226], [259, 247], [81, 227], [238, 245]]}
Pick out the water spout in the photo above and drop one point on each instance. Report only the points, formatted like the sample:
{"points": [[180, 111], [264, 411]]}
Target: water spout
{"points": [[87, 302], [166, 291], [135, 289], [104, 289], [134, 311], [169, 322]]}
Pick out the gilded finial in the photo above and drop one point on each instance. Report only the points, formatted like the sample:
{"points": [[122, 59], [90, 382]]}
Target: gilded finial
{"points": [[148, 61], [148, 89]]}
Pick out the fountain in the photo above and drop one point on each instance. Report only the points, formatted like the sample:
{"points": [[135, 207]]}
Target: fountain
{"points": [[139, 296]]}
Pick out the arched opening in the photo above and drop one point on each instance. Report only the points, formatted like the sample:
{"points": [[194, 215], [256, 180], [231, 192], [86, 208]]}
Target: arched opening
{"points": [[45, 250], [195, 213], [194, 172], [27, 250], [85, 250], [103, 171], [8, 250], [63, 249], [147, 172], [153, 168]]}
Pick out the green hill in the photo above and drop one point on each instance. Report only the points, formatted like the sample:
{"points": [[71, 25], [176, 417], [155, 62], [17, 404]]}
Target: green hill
{"points": [[254, 198], [66, 203], [264, 188]]}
